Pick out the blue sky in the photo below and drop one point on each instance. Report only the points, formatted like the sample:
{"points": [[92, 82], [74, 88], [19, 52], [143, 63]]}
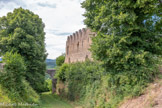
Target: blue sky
{"points": [[61, 17]]}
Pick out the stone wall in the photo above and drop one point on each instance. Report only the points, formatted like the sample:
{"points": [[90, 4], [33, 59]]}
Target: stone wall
{"points": [[77, 46]]}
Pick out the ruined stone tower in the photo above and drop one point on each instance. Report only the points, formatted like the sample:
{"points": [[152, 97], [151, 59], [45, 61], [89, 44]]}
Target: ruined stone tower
{"points": [[77, 46]]}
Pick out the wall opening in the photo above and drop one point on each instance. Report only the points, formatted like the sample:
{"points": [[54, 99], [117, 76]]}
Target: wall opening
{"points": [[86, 58], [77, 46], [67, 50], [69, 60]]}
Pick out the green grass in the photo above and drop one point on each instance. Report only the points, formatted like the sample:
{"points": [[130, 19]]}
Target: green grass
{"points": [[52, 101]]}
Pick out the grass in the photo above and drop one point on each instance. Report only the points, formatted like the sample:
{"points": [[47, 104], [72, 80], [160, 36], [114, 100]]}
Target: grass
{"points": [[49, 100]]}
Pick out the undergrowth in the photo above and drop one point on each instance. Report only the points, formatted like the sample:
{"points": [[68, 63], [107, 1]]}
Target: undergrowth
{"points": [[96, 87], [13, 84]]}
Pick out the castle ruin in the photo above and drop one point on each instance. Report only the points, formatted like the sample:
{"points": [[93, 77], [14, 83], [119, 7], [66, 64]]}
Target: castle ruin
{"points": [[77, 46]]}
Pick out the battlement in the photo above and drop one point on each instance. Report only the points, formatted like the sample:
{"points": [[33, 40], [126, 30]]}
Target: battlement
{"points": [[78, 35], [77, 46]]}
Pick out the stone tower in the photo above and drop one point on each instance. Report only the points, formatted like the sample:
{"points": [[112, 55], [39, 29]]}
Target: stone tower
{"points": [[77, 46]]}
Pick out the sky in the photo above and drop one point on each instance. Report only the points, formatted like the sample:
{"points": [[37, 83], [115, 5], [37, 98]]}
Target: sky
{"points": [[61, 17]]}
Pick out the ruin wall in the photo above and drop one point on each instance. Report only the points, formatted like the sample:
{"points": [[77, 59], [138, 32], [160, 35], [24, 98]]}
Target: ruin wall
{"points": [[77, 46]]}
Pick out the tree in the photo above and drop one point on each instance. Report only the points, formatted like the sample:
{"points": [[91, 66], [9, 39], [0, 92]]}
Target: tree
{"points": [[128, 41], [60, 60], [128, 31], [23, 32]]}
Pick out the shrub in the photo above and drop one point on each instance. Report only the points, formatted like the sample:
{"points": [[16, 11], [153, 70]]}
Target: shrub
{"points": [[96, 86], [49, 84], [3, 96], [13, 80], [60, 72], [77, 76]]}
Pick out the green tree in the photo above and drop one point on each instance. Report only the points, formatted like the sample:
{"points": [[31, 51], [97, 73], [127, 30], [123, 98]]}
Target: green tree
{"points": [[129, 32], [128, 42], [60, 60], [22, 31]]}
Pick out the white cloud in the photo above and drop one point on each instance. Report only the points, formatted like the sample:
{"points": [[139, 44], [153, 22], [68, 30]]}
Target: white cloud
{"points": [[56, 45], [61, 17]]}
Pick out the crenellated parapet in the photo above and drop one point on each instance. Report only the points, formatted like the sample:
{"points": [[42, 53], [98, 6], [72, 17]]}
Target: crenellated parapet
{"points": [[78, 36], [77, 46]]}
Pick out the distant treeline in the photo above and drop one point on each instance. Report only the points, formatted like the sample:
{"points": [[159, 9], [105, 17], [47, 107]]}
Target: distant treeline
{"points": [[51, 63]]}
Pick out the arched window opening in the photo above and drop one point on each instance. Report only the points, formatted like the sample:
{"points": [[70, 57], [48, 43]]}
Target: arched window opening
{"points": [[77, 46], [67, 50], [86, 58], [69, 60]]}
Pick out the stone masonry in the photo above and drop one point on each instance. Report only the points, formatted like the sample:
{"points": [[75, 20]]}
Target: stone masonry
{"points": [[77, 46]]}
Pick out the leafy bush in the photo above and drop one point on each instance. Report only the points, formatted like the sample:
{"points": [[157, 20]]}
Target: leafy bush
{"points": [[49, 84], [29, 94], [3, 96], [13, 81], [96, 86], [60, 74], [60, 60], [77, 76]]}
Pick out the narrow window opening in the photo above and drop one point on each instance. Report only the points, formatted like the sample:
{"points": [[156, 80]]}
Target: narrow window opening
{"points": [[69, 60], [67, 50], [78, 47], [86, 58]]}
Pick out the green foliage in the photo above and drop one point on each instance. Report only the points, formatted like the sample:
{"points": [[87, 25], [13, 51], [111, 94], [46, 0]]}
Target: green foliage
{"points": [[13, 73], [127, 31], [60, 74], [46, 84], [28, 93], [49, 84], [13, 81], [90, 83], [3, 96], [60, 60], [23, 32], [128, 42], [77, 76]]}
